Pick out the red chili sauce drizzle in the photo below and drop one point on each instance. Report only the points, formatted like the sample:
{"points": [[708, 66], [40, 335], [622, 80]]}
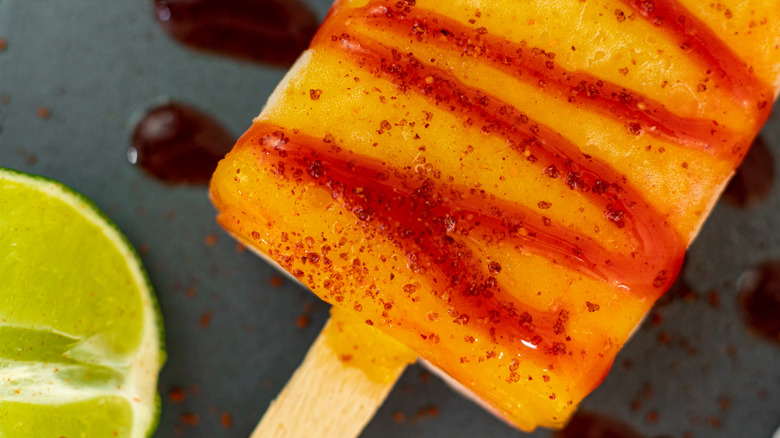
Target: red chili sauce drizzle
{"points": [[702, 44], [179, 144], [534, 66], [558, 159], [425, 218], [266, 31]]}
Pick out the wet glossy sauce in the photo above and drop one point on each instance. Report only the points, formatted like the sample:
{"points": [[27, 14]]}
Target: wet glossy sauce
{"points": [[754, 178], [760, 299], [179, 144], [266, 31], [592, 425]]}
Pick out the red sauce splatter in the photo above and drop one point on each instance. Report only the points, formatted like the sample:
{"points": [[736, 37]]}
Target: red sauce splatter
{"points": [[652, 416], [724, 403], [179, 144], [177, 395], [267, 31], [753, 179], [714, 421], [210, 240], [713, 298], [302, 321], [428, 411], [760, 299], [592, 425], [189, 419], [205, 318], [43, 113], [226, 420], [276, 281]]}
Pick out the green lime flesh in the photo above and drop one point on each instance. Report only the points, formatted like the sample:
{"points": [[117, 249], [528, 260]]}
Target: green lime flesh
{"points": [[80, 332]]}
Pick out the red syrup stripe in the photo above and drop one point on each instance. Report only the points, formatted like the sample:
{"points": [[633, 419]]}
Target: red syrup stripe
{"points": [[657, 249], [427, 220], [702, 44], [533, 66]]}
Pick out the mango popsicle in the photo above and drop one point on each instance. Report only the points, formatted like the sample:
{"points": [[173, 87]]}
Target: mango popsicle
{"points": [[504, 187]]}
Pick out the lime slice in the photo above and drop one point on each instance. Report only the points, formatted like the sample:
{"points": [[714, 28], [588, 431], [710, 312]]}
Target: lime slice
{"points": [[80, 331]]}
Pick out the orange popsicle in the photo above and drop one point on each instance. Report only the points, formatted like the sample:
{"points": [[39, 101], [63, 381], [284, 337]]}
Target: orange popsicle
{"points": [[505, 187]]}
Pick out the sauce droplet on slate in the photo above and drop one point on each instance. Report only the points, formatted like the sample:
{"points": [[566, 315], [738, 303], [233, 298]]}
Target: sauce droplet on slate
{"points": [[593, 425], [267, 31], [179, 144], [760, 299], [753, 179]]}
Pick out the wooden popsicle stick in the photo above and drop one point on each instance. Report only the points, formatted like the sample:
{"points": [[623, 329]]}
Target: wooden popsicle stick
{"points": [[328, 396]]}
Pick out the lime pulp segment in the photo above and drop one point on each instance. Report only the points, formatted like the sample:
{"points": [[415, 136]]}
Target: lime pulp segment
{"points": [[80, 332]]}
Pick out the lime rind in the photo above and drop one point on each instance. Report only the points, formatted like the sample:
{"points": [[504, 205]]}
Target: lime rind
{"points": [[140, 384]]}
